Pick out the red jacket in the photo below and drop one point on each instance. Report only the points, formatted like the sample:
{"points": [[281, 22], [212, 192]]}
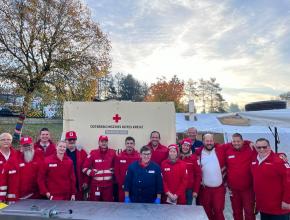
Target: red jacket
{"points": [[20, 177], [9, 178], [100, 166], [50, 150], [194, 172], [238, 163], [122, 162], [220, 152], [82, 178], [159, 154], [57, 177], [3, 160], [271, 184], [175, 178]]}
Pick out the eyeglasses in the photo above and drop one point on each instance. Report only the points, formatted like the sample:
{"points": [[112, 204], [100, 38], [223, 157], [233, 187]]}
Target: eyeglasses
{"points": [[262, 147]]}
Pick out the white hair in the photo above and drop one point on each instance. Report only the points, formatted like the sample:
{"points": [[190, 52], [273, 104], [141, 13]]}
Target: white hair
{"points": [[5, 135]]}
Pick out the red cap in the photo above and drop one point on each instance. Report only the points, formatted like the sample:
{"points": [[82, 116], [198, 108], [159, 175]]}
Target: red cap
{"points": [[103, 138], [70, 135], [186, 141], [26, 140], [173, 146]]}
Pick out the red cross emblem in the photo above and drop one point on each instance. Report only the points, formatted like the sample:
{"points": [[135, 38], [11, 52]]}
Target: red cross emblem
{"points": [[117, 118]]}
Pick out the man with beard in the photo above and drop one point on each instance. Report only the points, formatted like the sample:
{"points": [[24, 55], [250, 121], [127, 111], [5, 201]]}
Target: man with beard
{"points": [[56, 179], [175, 177], [20, 176], [122, 163], [159, 151], [99, 165], [78, 156], [45, 143], [212, 193]]}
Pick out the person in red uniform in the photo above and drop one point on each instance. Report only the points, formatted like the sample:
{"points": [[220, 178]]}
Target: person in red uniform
{"points": [[78, 156], [159, 151], [45, 143], [122, 162], [56, 177], [20, 175], [239, 155], [175, 177], [7, 154], [193, 169], [6, 149], [271, 177], [99, 165], [212, 192]]}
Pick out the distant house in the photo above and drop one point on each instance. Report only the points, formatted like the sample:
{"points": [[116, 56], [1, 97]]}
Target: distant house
{"points": [[11, 99]]}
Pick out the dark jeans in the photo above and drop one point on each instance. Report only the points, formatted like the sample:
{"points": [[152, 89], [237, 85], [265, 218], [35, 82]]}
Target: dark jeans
{"points": [[188, 195], [265, 216]]}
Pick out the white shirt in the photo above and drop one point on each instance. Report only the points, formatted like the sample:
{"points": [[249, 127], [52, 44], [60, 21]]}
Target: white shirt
{"points": [[6, 156], [211, 171], [260, 160]]}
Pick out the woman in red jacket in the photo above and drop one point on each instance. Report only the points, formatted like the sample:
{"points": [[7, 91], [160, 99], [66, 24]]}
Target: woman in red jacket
{"points": [[193, 169], [56, 179]]}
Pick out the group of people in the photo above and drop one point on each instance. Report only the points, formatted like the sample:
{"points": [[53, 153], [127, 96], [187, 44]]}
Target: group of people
{"points": [[201, 171]]}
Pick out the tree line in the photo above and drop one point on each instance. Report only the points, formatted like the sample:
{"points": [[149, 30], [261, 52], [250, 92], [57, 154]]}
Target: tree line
{"points": [[55, 50]]}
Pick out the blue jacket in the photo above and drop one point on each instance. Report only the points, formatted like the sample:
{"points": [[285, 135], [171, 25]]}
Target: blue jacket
{"points": [[143, 183], [195, 145]]}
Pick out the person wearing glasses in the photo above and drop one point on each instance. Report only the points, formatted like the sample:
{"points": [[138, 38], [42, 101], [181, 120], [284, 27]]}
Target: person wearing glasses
{"points": [[6, 150], [7, 155], [271, 178], [143, 182]]}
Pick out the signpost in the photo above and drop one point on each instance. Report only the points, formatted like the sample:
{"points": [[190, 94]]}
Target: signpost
{"points": [[119, 119]]}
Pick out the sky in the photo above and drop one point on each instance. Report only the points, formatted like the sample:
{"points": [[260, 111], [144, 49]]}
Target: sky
{"points": [[244, 44]]}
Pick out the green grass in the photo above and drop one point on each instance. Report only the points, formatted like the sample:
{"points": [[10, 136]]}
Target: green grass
{"points": [[33, 129]]}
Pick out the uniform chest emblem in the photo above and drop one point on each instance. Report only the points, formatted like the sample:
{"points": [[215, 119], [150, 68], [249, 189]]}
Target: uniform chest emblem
{"points": [[52, 165], [12, 171], [151, 171], [98, 161], [231, 156], [123, 161], [166, 169], [253, 163], [22, 165]]}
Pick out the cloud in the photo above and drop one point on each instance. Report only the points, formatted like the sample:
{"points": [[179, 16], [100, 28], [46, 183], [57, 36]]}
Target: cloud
{"points": [[244, 44]]}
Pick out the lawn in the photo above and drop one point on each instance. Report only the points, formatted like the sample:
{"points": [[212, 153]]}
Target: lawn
{"points": [[33, 129]]}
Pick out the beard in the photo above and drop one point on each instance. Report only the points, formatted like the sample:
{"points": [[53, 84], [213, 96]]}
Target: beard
{"points": [[28, 155], [209, 147]]}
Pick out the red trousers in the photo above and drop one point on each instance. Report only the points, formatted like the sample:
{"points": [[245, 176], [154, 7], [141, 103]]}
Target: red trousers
{"points": [[98, 193], [121, 193], [243, 202], [213, 201]]}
